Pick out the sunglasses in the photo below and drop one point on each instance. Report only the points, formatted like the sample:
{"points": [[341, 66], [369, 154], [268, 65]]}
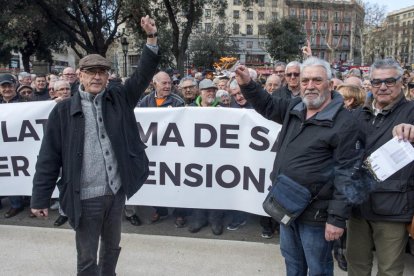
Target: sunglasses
{"points": [[411, 85], [292, 74], [389, 82]]}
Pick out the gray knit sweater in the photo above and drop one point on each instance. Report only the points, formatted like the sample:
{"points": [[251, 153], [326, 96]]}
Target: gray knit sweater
{"points": [[99, 175]]}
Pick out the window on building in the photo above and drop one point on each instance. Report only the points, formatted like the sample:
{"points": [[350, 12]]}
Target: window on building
{"points": [[236, 2], [236, 14], [274, 3], [236, 29], [335, 40], [314, 15], [207, 27], [249, 29], [199, 27], [336, 16], [207, 13], [133, 59], [221, 28], [292, 12], [249, 15], [324, 14], [261, 3], [261, 15], [346, 27], [322, 55], [345, 41], [249, 44], [262, 29], [303, 13], [262, 44], [274, 15], [254, 59], [314, 26], [323, 26], [336, 27]]}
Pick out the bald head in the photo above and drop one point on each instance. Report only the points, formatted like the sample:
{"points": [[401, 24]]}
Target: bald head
{"points": [[69, 75], [354, 81], [273, 82], [162, 84], [336, 82]]}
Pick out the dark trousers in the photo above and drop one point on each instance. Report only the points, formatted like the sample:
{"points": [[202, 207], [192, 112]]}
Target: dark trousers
{"points": [[101, 219], [203, 216]]}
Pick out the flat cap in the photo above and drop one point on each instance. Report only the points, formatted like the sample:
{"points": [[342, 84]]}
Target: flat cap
{"points": [[94, 61], [7, 78], [21, 87], [206, 84]]}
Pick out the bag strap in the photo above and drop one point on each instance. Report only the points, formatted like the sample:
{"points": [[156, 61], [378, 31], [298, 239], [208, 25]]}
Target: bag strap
{"points": [[324, 189]]}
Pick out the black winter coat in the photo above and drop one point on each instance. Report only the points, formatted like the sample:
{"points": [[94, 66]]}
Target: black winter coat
{"points": [[62, 145], [392, 199], [314, 152]]}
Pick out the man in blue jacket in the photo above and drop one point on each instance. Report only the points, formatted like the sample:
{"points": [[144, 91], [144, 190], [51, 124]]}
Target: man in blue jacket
{"points": [[94, 140]]}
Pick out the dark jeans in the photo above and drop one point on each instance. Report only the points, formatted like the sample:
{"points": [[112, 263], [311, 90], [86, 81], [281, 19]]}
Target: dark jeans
{"points": [[304, 247], [101, 218], [237, 216], [16, 201]]}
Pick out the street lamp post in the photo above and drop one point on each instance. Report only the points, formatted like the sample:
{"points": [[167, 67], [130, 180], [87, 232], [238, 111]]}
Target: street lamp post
{"points": [[124, 43]]}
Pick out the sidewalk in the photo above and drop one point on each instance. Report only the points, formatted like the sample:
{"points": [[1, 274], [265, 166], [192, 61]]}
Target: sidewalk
{"points": [[47, 251], [50, 251]]}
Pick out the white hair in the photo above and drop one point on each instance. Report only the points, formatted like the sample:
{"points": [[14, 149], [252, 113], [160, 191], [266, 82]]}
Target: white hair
{"points": [[59, 83], [252, 73], [220, 93], [314, 61]]}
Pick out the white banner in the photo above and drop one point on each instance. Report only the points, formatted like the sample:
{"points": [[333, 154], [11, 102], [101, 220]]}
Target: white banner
{"points": [[218, 158]]}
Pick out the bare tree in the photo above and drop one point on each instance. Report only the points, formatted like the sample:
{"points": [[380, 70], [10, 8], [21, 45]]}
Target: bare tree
{"points": [[373, 22], [91, 25]]}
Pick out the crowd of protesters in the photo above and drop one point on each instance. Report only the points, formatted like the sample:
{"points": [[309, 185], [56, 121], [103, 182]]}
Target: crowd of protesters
{"points": [[222, 90]]}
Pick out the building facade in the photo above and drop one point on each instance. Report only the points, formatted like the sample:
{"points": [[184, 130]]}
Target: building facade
{"points": [[332, 27], [399, 36]]}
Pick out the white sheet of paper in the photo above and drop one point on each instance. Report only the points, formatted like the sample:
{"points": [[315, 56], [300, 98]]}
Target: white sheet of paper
{"points": [[390, 158]]}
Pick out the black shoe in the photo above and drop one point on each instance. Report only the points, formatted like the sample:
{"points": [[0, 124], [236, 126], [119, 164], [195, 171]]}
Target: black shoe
{"points": [[134, 220], [217, 229], [60, 221], [267, 233], [12, 212], [342, 263], [157, 217], [194, 228]]}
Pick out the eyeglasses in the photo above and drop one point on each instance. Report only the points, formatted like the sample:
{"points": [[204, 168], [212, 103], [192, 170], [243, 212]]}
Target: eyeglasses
{"points": [[26, 92], [69, 74], [187, 87], [93, 72], [292, 74], [316, 81], [279, 72], [389, 82], [410, 85], [63, 88]]}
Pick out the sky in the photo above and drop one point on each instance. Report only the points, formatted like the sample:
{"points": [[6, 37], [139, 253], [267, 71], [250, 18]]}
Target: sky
{"points": [[393, 5]]}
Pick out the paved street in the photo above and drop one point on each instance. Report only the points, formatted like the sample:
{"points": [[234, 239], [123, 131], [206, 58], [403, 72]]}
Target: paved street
{"points": [[34, 247]]}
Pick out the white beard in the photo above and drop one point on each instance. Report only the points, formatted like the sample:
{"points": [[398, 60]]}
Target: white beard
{"points": [[316, 102]]}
